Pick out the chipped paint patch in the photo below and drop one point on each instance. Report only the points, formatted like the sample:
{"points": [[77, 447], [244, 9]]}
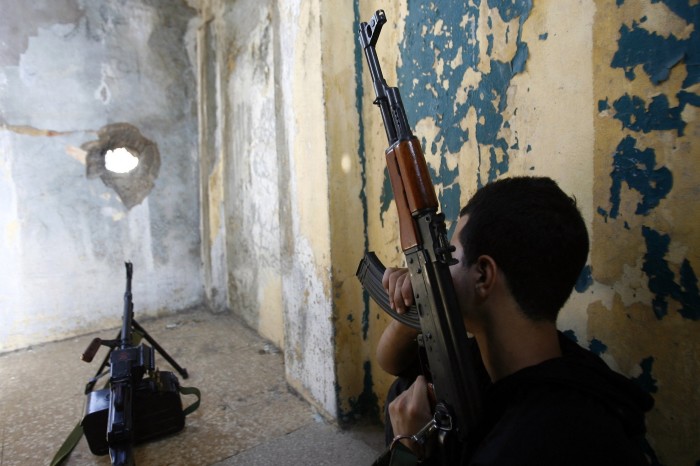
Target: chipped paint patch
{"points": [[663, 282], [637, 168]]}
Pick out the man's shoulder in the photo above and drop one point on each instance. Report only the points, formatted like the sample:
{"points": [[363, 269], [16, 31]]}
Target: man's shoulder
{"points": [[549, 422], [558, 410]]}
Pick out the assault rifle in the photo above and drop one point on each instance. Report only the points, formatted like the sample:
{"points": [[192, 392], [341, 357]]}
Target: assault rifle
{"points": [[428, 256]]}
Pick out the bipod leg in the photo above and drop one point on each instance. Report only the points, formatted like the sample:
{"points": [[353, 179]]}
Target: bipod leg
{"points": [[181, 370]]}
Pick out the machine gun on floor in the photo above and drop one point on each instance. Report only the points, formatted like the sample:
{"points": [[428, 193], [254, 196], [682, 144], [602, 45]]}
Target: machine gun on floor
{"points": [[140, 402]]}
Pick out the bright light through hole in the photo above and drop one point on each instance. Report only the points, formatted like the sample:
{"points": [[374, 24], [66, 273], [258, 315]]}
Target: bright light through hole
{"points": [[120, 160]]}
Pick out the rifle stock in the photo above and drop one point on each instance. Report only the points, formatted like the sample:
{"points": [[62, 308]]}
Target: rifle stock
{"points": [[428, 256]]}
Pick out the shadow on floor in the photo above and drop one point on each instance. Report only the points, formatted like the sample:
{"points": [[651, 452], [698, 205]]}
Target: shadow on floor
{"points": [[247, 416]]}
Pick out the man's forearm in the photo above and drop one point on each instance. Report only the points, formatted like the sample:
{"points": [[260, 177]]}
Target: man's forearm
{"points": [[397, 348]]}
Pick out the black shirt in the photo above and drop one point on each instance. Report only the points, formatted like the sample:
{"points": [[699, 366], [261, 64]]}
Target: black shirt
{"points": [[572, 410]]}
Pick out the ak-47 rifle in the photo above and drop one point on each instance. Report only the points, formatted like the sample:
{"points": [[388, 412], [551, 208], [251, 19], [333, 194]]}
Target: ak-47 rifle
{"points": [[428, 257]]}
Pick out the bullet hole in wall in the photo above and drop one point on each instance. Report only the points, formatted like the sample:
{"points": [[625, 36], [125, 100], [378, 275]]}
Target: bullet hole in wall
{"points": [[124, 160], [120, 160]]}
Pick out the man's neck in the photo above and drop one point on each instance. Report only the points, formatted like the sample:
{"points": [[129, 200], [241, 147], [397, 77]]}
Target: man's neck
{"points": [[512, 342]]}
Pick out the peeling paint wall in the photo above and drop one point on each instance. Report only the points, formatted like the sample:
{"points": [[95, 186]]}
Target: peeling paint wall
{"points": [[644, 302], [306, 266], [68, 68], [603, 97]]}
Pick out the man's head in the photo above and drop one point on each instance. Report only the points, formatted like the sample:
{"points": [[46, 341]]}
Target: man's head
{"points": [[535, 234]]}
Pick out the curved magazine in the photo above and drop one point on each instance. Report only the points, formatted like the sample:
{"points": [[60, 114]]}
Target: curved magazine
{"points": [[370, 272]]}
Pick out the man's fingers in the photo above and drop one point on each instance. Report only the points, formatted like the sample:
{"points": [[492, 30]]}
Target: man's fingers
{"points": [[399, 304], [391, 274], [407, 291], [397, 282], [411, 411], [403, 292], [420, 389], [389, 282], [392, 280], [413, 402]]}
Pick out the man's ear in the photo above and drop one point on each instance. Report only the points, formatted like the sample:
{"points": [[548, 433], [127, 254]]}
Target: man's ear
{"points": [[486, 271]]}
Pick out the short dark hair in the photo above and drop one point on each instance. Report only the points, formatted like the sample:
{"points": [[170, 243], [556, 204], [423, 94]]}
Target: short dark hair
{"points": [[536, 235]]}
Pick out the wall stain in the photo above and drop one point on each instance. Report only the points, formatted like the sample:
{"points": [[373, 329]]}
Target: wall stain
{"points": [[637, 168], [362, 155], [645, 379], [662, 279], [366, 404], [658, 116], [597, 347], [585, 280], [658, 54]]}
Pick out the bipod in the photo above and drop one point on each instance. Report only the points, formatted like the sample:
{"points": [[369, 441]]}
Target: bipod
{"points": [[92, 348]]}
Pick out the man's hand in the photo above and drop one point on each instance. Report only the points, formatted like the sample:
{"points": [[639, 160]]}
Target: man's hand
{"points": [[410, 412], [397, 348], [397, 282]]}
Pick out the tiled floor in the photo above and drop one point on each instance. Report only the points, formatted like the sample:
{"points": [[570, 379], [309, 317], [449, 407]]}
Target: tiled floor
{"points": [[247, 415]]}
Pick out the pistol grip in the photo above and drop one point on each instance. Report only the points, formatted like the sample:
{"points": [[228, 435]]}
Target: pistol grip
{"points": [[91, 350]]}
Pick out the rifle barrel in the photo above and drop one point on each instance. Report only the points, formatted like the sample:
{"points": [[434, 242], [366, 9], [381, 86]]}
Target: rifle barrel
{"points": [[128, 308]]}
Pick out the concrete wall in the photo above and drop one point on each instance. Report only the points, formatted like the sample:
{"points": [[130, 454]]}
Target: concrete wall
{"points": [[68, 69], [265, 186]]}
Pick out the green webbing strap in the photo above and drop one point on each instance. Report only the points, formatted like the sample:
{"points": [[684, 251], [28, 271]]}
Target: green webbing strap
{"points": [[68, 445], [74, 437], [191, 391]]}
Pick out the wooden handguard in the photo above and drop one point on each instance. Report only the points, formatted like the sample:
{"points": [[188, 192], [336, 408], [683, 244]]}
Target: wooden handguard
{"points": [[412, 186]]}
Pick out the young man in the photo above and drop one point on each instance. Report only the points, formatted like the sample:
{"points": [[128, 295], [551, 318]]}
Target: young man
{"points": [[521, 244]]}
